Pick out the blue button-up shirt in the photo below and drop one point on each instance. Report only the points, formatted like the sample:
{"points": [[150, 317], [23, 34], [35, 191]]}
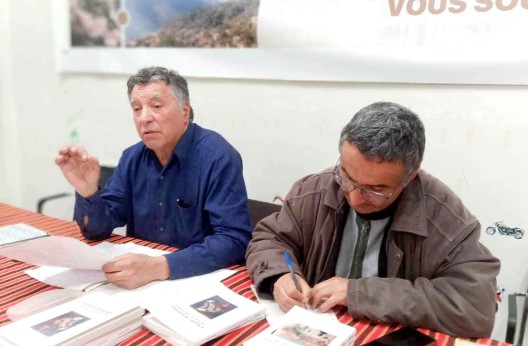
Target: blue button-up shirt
{"points": [[197, 203]]}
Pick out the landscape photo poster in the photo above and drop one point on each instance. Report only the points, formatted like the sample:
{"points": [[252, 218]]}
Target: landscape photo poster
{"points": [[164, 23], [400, 41]]}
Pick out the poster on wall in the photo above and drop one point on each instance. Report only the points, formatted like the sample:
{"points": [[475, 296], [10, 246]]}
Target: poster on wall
{"points": [[402, 41], [163, 23]]}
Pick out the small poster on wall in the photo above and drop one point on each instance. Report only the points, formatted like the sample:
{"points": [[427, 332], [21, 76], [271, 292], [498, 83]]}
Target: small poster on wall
{"points": [[164, 23]]}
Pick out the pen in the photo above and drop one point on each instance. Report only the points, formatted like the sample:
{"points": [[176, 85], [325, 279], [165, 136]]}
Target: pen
{"points": [[294, 277]]}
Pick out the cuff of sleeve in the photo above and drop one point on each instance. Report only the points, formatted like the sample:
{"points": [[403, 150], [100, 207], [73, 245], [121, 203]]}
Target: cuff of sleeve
{"points": [[181, 264], [265, 288], [352, 298], [82, 207], [88, 200]]}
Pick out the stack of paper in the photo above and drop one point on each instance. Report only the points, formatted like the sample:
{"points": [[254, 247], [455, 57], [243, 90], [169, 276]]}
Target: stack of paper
{"points": [[193, 317], [95, 319]]}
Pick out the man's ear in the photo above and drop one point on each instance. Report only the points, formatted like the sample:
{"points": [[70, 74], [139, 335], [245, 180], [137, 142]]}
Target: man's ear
{"points": [[186, 108]]}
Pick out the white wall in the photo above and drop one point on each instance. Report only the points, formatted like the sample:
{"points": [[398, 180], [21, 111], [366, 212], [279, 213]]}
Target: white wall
{"points": [[476, 135], [9, 159]]}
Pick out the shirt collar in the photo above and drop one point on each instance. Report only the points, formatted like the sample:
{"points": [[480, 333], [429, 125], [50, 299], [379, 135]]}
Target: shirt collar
{"points": [[184, 145]]}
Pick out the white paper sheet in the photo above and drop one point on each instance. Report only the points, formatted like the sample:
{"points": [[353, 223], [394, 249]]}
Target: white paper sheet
{"points": [[115, 250], [274, 314], [75, 279], [158, 292], [59, 252], [79, 279], [82, 279]]}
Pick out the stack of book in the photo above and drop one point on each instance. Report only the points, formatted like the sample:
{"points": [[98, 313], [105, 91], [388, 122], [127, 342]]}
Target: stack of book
{"points": [[199, 315], [93, 319]]}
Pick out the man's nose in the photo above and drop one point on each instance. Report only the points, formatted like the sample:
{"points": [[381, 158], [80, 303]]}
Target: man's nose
{"points": [[356, 197], [146, 114]]}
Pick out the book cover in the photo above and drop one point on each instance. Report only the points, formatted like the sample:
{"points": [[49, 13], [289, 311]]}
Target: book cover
{"points": [[73, 323], [19, 232], [196, 316], [303, 327]]}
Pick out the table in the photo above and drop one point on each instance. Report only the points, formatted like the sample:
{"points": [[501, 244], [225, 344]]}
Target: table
{"points": [[15, 286]]}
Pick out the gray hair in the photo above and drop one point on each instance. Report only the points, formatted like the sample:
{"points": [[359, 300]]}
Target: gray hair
{"points": [[177, 83], [387, 132]]}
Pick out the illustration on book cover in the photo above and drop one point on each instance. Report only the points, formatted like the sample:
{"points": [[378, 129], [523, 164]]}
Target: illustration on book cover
{"points": [[60, 323], [213, 307], [301, 334]]}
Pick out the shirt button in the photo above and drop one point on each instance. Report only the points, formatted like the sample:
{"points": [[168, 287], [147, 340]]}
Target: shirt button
{"points": [[397, 256], [161, 229], [162, 177], [160, 204]]}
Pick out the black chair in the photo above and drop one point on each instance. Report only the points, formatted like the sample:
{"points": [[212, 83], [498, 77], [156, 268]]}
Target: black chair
{"points": [[259, 210], [106, 173], [511, 328]]}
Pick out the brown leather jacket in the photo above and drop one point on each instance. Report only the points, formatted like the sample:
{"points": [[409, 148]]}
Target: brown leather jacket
{"points": [[438, 274]]}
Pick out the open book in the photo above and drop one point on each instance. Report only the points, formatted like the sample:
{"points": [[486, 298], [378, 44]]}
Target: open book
{"points": [[196, 316], [303, 327], [77, 322]]}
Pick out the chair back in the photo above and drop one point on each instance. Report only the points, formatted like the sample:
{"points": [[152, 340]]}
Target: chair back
{"points": [[106, 173], [515, 318], [259, 210]]}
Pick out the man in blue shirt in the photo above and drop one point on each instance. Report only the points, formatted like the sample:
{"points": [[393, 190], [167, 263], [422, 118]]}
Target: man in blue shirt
{"points": [[182, 185]]}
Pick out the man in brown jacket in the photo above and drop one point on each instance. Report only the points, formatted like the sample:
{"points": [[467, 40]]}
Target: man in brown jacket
{"points": [[380, 236]]}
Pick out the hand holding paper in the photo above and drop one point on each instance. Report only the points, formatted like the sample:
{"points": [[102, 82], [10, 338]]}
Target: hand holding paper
{"points": [[135, 270]]}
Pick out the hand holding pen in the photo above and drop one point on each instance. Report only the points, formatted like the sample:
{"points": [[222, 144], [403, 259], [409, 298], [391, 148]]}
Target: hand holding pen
{"points": [[294, 276]]}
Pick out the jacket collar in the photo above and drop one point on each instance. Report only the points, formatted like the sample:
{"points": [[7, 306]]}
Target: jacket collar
{"points": [[334, 197], [410, 214]]}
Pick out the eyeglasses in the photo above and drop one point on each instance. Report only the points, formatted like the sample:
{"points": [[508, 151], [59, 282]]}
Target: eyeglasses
{"points": [[376, 198]]}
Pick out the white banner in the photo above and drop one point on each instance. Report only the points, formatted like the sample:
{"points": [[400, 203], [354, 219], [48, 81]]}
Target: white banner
{"points": [[401, 41]]}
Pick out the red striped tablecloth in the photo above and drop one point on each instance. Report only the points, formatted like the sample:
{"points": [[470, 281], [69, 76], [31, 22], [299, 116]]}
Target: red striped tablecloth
{"points": [[15, 286]]}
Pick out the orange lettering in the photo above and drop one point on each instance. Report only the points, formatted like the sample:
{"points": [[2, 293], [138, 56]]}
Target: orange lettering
{"points": [[461, 6], [395, 9], [440, 9], [488, 4], [500, 5], [414, 12]]}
